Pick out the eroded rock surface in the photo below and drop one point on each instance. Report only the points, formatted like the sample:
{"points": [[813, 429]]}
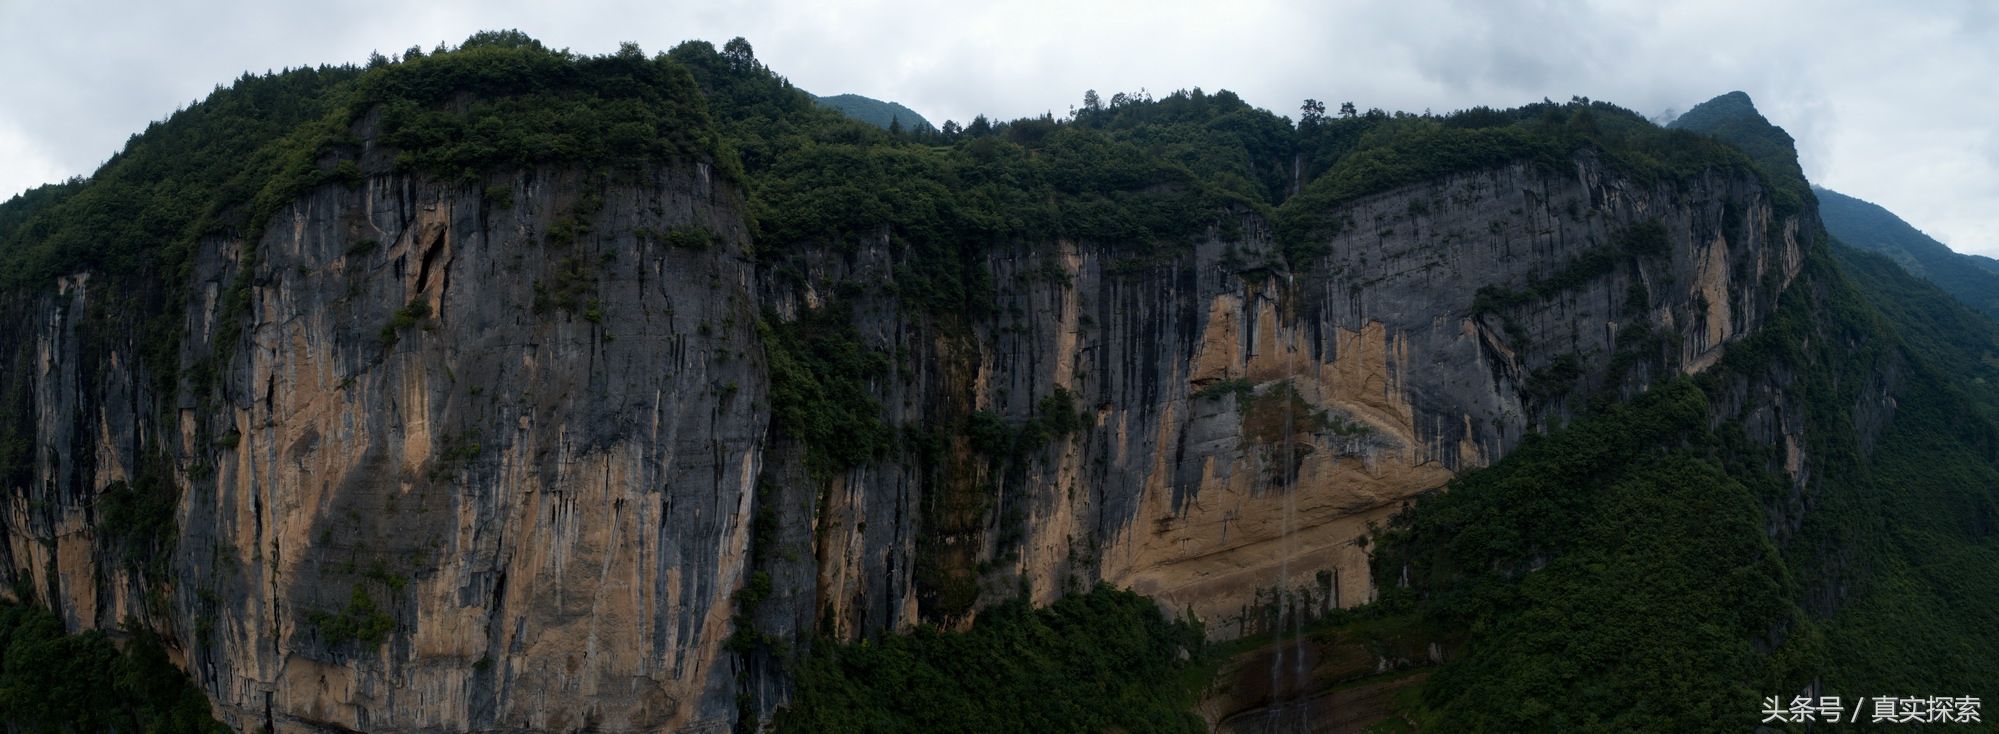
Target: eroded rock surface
{"points": [[535, 436]]}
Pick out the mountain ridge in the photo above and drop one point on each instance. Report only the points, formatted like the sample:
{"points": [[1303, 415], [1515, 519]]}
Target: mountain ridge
{"points": [[1973, 279], [729, 389], [1733, 117]]}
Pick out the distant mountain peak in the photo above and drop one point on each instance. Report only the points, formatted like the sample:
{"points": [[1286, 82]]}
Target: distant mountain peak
{"points": [[1733, 119], [874, 111], [1737, 97], [1731, 110]]}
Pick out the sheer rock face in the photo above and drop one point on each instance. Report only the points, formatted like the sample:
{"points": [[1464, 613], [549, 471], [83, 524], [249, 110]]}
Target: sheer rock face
{"points": [[533, 452], [534, 436], [1187, 486]]}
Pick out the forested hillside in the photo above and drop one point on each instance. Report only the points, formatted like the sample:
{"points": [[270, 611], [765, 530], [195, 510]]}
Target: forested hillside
{"points": [[1973, 279]]}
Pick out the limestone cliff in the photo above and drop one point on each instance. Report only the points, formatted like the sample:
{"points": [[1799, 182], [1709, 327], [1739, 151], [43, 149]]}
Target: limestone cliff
{"points": [[532, 435], [1250, 419], [526, 433], [456, 436]]}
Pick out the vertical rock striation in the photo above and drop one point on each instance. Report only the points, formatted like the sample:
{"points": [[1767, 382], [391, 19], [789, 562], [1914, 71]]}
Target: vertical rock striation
{"points": [[463, 459]]}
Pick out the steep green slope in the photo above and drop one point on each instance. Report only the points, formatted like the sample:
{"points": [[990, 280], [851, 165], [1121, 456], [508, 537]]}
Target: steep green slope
{"points": [[885, 115], [1973, 279], [1613, 576], [1915, 510], [203, 172], [1661, 566], [1653, 569], [1732, 117]]}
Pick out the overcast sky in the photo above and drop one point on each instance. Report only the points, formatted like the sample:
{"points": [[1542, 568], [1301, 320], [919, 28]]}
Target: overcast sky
{"points": [[1890, 101]]}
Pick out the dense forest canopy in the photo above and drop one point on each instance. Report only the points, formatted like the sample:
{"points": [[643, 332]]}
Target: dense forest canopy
{"points": [[56, 682], [1973, 279], [1133, 170]]}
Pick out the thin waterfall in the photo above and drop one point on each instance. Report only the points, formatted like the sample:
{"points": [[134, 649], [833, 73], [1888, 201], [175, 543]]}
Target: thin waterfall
{"points": [[1287, 715]]}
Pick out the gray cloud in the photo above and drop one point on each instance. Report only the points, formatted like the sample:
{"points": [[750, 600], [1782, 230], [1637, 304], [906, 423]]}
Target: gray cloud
{"points": [[1889, 101]]}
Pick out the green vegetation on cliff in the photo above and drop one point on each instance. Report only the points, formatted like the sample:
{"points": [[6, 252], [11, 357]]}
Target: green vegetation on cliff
{"points": [[819, 379], [940, 201], [197, 174], [1149, 174], [1666, 564], [1909, 498], [1362, 155], [52, 682], [1612, 576], [502, 102], [499, 103], [1101, 661], [1654, 568], [1732, 118], [361, 621]]}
